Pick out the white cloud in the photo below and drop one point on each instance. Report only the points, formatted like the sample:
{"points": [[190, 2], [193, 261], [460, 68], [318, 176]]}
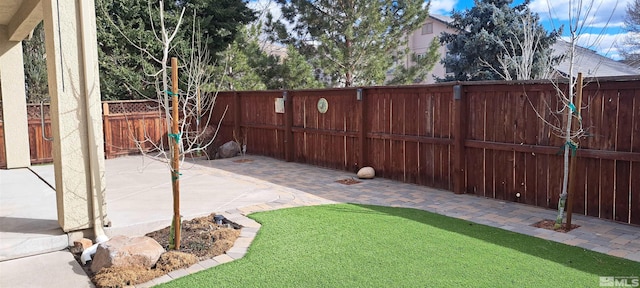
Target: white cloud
{"points": [[596, 12], [442, 7], [605, 44]]}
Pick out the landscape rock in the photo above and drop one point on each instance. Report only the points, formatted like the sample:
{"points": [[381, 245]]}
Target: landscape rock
{"points": [[366, 173], [123, 251], [80, 245], [229, 149]]}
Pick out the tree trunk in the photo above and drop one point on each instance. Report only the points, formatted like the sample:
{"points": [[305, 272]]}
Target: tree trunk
{"points": [[348, 81]]}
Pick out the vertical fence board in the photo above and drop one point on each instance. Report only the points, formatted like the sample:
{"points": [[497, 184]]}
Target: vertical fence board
{"points": [[580, 181], [622, 191], [475, 128], [607, 186], [635, 194], [593, 187], [623, 143], [635, 166], [531, 119]]}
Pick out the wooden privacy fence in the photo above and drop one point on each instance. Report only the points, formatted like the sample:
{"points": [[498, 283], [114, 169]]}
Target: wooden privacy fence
{"points": [[125, 123], [488, 140]]}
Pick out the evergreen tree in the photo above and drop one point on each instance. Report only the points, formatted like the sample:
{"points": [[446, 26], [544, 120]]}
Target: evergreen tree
{"points": [[267, 67], [475, 52], [297, 73], [126, 36], [249, 67], [35, 66], [219, 20], [353, 42], [233, 72]]}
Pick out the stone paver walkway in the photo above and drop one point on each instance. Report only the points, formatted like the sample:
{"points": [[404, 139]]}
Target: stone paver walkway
{"points": [[309, 185]]}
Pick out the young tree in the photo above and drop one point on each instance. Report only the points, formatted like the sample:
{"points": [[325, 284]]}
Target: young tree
{"points": [[580, 15], [350, 41], [495, 41], [179, 99], [630, 47]]}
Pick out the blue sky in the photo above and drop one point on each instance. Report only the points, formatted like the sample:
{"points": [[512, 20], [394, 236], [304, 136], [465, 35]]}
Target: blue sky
{"points": [[596, 33]]}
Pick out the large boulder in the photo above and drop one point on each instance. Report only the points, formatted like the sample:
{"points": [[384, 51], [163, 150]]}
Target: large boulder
{"points": [[229, 149], [123, 251], [366, 173]]}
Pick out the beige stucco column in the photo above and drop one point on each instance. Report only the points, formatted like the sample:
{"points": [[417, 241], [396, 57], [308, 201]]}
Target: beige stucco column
{"points": [[78, 148], [14, 103]]}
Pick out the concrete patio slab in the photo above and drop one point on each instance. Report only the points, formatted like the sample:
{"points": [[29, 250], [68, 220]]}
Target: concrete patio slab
{"points": [[55, 269], [28, 215]]}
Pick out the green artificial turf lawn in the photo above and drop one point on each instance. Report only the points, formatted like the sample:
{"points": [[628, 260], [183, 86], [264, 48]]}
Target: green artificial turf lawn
{"points": [[346, 245]]}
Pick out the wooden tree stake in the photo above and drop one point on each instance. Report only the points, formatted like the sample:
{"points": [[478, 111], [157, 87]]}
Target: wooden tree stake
{"points": [[175, 158]]}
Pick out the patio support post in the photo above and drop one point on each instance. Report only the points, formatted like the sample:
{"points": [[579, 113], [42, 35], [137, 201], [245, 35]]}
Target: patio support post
{"points": [[76, 114], [14, 103], [459, 133]]}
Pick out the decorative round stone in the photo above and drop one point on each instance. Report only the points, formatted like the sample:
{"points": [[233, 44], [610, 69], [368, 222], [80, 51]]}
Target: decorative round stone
{"points": [[323, 105]]}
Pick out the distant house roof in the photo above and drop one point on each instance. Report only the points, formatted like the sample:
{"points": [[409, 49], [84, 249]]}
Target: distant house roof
{"points": [[590, 63], [444, 19], [587, 61]]}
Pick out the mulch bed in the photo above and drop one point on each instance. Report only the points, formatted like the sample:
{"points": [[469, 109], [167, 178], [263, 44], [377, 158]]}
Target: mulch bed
{"points": [[549, 225], [201, 239], [348, 181]]}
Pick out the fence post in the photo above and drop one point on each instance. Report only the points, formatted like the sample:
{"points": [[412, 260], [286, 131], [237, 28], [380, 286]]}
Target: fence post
{"points": [[459, 134], [362, 134], [288, 125], [107, 130], [237, 116]]}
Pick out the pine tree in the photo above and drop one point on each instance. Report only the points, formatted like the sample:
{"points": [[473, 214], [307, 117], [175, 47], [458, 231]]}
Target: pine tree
{"points": [[475, 53], [125, 30], [297, 73], [353, 42], [233, 72], [35, 66]]}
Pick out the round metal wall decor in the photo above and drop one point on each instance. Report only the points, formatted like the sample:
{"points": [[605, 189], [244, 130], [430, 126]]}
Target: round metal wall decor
{"points": [[323, 105]]}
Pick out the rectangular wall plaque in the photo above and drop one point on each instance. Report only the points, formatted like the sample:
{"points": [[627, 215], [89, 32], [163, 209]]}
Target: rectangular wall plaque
{"points": [[279, 105]]}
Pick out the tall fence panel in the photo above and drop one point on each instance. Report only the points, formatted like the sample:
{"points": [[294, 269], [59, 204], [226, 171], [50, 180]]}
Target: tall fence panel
{"points": [[261, 128], [132, 126], [40, 134], [325, 128], [409, 133]]}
